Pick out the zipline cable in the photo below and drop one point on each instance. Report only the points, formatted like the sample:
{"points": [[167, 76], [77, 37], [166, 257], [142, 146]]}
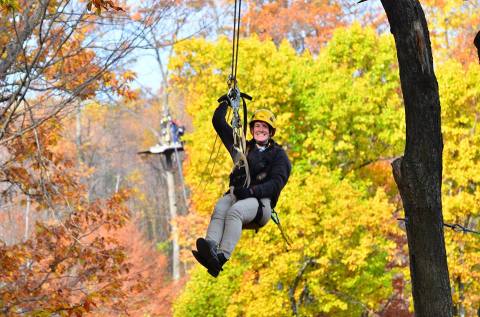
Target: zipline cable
{"points": [[233, 40], [236, 37], [455, 227]]}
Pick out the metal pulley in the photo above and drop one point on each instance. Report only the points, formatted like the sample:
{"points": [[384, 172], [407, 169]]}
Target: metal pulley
{"points": [[234, 99]]}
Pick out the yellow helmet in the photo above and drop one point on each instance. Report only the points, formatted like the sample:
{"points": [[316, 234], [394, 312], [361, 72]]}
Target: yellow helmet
{"points": [[266, 116]]}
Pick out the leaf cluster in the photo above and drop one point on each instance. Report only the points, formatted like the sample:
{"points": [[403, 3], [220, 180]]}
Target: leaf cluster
{"points": [[337, 113]]}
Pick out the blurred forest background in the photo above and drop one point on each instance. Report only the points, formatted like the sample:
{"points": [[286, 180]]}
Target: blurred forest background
{"points": [[87, 224]]}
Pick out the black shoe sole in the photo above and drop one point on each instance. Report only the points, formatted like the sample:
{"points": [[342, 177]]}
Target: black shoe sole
{"points": [[204, 251], [204, 263], [199, 258]]}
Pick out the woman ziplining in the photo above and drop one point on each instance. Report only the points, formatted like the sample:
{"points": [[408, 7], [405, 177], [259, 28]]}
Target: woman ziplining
{"points": [[261, 170], [244, 206]]}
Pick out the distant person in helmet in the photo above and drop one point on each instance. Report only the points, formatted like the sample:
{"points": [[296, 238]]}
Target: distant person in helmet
{"points": [[244, 208]]}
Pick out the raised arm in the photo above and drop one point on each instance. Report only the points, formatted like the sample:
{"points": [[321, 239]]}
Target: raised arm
{"points": [[223, 129]]}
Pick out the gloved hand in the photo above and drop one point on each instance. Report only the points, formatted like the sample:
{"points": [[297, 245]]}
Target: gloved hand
{"points": [[243, 193]]}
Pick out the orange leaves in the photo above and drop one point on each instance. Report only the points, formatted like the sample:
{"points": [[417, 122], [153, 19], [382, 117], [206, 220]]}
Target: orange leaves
{"points": [[137, 16], [103, 4], [66, 256], [76, 70], [120, 84], [70, 264], [18, 175], [307, 25]]}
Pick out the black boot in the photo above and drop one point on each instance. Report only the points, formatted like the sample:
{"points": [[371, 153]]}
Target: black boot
{"points": [[199, 258], [222, 260], [208, 255]]}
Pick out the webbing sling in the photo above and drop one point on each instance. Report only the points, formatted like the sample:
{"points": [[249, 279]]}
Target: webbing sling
{"points": [[259, 215]]}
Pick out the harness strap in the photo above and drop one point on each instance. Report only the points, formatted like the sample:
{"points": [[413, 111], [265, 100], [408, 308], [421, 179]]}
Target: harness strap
{"points": [[259, 215], [245, 112]]}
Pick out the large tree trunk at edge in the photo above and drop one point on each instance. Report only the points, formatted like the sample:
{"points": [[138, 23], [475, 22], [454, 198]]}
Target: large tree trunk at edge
{"points": [[418, 173]]}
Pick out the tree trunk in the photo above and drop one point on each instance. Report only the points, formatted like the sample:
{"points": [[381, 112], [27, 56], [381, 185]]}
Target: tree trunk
{"points": [[173, 215], [418, 173]]}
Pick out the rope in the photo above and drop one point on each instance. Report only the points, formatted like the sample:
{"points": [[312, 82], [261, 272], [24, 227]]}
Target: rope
{"points": [[276, 219], [233, 40], [202, 180], [459, 228]]}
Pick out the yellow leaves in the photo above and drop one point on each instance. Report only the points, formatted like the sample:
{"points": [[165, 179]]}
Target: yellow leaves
{"points": [[95, 112], [9, 5], [129, 75], [459, 92], [329, 222], [328, 118]]}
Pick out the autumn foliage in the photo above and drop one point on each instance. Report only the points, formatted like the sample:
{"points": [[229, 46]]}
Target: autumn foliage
{"points": [[307, 25], [88, 256], [339, 116], [85, 227]]}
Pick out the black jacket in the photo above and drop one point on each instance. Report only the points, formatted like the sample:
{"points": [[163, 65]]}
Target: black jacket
{"points": [[269, 169]]}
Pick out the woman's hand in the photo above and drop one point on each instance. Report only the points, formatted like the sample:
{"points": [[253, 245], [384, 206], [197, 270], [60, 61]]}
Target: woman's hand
{"points": [[243, 193]]}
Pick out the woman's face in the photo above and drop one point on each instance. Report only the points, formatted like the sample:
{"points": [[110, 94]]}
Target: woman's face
{"points": [[260, 132]]}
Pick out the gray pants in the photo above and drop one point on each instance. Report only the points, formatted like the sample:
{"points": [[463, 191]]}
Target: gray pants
{"points": [[228, 218]]}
